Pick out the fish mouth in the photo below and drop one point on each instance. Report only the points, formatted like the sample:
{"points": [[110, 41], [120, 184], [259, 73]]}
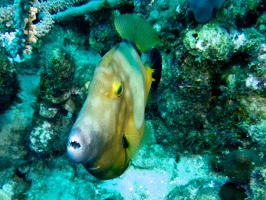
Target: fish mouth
{"points": [[74, 145], [83, 147]]}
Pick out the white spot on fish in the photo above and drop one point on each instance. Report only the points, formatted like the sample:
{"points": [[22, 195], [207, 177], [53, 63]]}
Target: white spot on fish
{"points": [[136, 82]]}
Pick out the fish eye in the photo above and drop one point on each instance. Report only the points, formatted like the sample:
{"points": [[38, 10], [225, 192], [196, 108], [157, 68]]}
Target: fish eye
{"points": [[117, 88]]}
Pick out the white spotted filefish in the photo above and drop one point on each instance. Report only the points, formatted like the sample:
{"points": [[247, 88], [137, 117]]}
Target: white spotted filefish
{"points": [[110, 125]]}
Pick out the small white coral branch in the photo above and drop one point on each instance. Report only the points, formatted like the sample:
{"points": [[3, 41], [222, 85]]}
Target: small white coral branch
{"points": [[90, 7]]}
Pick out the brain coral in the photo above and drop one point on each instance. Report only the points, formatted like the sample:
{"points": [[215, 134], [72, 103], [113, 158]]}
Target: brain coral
{"points": [[239, 164]]}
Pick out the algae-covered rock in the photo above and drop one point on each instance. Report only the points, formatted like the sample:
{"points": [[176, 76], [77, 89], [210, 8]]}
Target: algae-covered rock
{"points": [[230, 191], [254, 39], [58, 73], [239, 13], [40, 138], [261, 23], [239, 164], [258, 183], [211, 42], [102, 37], [255, 105], [9, 84], [45, 133]]}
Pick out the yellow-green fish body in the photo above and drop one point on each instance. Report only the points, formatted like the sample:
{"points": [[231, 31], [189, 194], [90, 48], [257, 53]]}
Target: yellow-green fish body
{"points": [[111, 123]]}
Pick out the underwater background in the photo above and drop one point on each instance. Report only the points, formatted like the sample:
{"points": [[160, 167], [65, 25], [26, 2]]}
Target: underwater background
{"points": [[207, 118]]}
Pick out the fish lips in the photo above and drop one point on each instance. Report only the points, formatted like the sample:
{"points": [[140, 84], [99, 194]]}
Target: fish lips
{"points": [[78, 146]]}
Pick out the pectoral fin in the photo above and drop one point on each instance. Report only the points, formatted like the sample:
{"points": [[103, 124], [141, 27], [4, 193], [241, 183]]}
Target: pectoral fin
{"points": [[131, 142]]}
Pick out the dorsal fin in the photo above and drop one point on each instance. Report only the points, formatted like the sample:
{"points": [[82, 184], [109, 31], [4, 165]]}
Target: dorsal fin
{"points": [[136, 29]]}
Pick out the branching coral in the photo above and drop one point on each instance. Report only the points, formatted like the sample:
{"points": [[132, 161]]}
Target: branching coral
{"points": [[90, 7], [18, 20], [51, 6]]}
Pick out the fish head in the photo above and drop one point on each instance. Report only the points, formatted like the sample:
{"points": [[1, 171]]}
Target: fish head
{"points": [[98, 128]]}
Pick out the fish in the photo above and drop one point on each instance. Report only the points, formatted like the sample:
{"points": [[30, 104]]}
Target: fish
{"points": [[110, 125]]}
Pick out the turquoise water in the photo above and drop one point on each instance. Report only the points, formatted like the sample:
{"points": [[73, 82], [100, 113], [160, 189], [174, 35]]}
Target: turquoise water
{"points": [[205, 124]]}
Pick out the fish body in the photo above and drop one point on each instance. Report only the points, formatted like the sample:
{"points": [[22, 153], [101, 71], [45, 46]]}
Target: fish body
{"points": [[110, 125]]}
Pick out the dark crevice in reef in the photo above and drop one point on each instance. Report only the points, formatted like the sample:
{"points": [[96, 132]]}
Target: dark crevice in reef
{"points": [[251, 17]]}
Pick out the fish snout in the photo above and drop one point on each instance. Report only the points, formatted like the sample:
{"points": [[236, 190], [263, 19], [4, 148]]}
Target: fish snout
{"points": [[77, 146]]}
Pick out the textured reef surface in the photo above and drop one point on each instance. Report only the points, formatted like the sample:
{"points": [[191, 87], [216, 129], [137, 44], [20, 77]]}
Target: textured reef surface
{"points": [[207, 118]]}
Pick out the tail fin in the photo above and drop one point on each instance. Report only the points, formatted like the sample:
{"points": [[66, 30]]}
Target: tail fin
{"points": [[137, 30], [154, 60]]}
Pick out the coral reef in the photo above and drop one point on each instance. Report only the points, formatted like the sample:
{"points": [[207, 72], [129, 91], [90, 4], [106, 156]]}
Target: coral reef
{"points": [[18, 19], [239, 164], [90, 7], [9, 84], [40, 136], [58, 73], [210, 42], [231, 191], [208, 112], [258, 183], [64, 72]]}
